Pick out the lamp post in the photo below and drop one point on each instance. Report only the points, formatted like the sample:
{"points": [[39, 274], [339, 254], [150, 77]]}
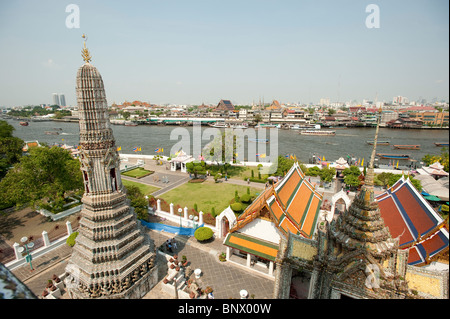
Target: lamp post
{"points": [[27, 246]]}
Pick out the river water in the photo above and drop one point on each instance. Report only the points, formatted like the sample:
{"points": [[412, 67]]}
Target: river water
{"points": [[350, 141]]}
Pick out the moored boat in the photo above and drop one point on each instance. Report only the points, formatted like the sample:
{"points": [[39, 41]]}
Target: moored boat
{"points": [[379, 142], [407, 147], [442, 144], [130, 123], [394, 156], [219, 125], [318, 133]]}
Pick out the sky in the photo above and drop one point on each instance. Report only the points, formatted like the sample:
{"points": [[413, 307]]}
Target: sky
{"points": [[201, 51]]}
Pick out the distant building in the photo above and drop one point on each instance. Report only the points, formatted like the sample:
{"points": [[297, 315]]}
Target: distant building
{"points": [[225, 105], [62, 100], [55, 99]]}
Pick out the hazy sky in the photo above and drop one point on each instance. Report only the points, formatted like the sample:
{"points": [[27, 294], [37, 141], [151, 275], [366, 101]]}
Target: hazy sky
{"points": [[194, 51]]}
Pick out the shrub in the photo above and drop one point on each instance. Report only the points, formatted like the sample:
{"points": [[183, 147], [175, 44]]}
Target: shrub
{"points": [[236, 207], [71, 239], [246, 198], [203, 233]]}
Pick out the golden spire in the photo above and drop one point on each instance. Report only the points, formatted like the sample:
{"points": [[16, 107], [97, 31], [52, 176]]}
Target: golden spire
{"points": [[85, 52]]}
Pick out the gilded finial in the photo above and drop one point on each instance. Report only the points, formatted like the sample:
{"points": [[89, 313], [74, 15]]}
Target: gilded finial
{"points": [[85, 52]]}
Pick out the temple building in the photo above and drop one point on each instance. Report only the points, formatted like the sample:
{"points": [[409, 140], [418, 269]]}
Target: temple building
{"points": [[355, 255], [112, 257], [290, 206]]}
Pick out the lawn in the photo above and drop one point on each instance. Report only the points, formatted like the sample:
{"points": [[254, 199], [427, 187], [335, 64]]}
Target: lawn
{"points": [[206, 195], [138, 172], [145, 189]]}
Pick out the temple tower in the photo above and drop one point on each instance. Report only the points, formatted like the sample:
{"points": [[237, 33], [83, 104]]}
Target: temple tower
{"points": [[112, 257]]}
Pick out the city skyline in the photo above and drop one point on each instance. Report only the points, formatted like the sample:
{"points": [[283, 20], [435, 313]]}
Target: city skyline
{"points": [[189, 53]]}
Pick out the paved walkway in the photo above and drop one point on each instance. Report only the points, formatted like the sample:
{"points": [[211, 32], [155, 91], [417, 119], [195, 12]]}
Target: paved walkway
{"points": [[225, 278]]}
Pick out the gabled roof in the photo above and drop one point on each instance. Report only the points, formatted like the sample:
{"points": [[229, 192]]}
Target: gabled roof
{"points": [[225, 105], [293, 205], [411, 218]]}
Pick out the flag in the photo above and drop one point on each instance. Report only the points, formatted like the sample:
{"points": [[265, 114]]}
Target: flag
{"points": [[159, 150], [257, 154], [135, 149], [362, 163], [397, 164], [262, 155], [119, 148], [292, 157], [140, 149]]}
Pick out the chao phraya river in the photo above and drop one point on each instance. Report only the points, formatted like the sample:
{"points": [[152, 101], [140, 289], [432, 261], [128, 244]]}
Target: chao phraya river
{"points": [[350, 141]]}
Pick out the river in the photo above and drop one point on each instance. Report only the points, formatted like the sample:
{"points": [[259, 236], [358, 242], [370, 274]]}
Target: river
{"points": [[350, 141]]}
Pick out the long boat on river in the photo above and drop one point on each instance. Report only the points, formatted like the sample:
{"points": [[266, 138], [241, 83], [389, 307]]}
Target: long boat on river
{"points": [[318, 132], [442, 144], [394, 156], [407, 147], [379, 142]]}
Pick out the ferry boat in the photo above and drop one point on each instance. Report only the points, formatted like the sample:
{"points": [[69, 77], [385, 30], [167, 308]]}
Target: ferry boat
{"points": [[219, 125], [394, 156], [318, 133], [242, 126], [263, 125], [305, 127], [442, 144], [407, 147], [379, 143]]}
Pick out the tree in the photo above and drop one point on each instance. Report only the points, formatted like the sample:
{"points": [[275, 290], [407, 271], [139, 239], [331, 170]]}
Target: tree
{"points": [[195, 168], [313, 171], [352, 181], [10, 148], [443, 158], [46, 173], [282, 165], [327, 174], [138, 202]]}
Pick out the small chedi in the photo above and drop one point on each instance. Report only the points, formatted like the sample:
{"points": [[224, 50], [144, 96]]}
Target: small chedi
{"points": [[112, 257]]}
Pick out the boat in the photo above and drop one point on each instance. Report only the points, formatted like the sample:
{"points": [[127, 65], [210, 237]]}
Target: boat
{"points": [[242, 126], [219, 125], [442, 144], [51, 132], [394, 156], [259, 140], [378, 143], [263, 125], [24, 123], [130, 123], [304, 127], [407, 147], [318, 133]]}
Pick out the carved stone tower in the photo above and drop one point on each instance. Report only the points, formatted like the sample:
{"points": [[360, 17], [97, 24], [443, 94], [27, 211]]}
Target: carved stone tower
{"points": [[112, 257]]}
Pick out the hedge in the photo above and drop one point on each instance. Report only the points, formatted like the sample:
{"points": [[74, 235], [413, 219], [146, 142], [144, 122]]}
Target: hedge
{"points": [[203, 233]]}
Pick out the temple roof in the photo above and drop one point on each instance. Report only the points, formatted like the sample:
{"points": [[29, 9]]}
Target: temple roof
{"points": [[411, 218], [293, 205]]}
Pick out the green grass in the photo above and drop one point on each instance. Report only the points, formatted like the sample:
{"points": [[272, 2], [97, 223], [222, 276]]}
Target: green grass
{"points": [[206, 195], [137, 172], [145, 189]]}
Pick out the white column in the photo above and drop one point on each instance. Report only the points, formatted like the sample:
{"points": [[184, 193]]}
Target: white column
{"points": [[45, 238], [16, 247], [186, 213], [271, 268], [228, 253], [69, 227], [249, 259], [171, 209], [200, 218], [158, 205]]}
